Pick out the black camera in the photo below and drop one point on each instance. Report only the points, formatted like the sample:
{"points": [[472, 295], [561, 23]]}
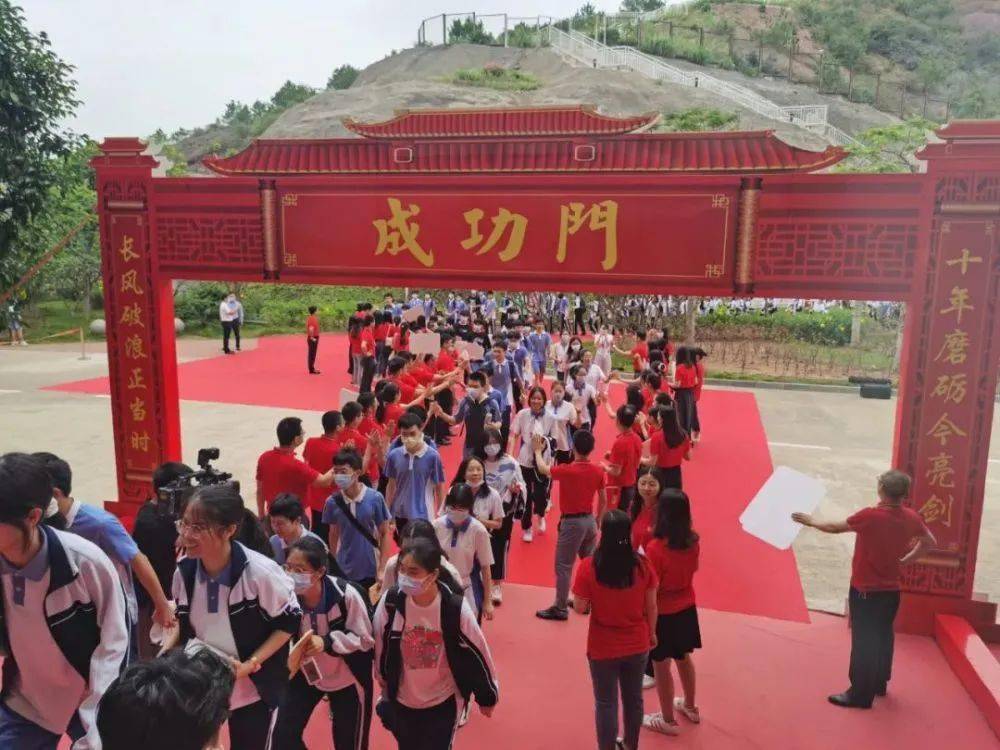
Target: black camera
{"points": [[172, 497]]}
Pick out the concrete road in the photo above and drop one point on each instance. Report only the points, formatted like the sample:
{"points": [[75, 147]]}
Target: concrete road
{"points": [[837, 437]]}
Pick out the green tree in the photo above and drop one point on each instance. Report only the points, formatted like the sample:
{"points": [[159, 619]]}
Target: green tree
{"points": [[889, 148], [291, 94], [36, 95], [74, 273], [342, 77], [468, 31], [640, 6]]}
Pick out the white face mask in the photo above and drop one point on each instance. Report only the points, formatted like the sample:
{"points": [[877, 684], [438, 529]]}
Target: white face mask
{"points": [[473, 393], [457, 516], [492, 450], [302, 581]]}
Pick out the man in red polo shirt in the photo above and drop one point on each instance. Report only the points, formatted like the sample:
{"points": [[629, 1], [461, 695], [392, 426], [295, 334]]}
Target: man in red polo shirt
{"points": [[579, 483], [884, 544], [280, 470], [318, 453], [312, 339], [622, 464]]}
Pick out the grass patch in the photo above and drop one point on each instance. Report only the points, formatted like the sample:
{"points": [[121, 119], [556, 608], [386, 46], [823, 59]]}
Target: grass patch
{"points": [[698, 118], [501, 79]]}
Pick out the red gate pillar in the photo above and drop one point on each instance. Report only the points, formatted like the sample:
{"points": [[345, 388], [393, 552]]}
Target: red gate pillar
{"points": [[949, 375], [139, 316]]}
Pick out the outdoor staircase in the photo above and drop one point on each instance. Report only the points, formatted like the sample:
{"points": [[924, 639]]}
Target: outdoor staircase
{"points": [[582, 48]]}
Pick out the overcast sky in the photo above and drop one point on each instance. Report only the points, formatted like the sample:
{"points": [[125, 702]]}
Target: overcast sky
{"points": [[144, 64]]}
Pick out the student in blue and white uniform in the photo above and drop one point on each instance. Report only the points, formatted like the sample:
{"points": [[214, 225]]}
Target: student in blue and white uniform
{"points": [[240, 604], [286, 515], [506, 377], [503, 475], [416, 485], [359, 521], [533, 420], [106, 531], [466, 542], [338, 657], [64, 630]]}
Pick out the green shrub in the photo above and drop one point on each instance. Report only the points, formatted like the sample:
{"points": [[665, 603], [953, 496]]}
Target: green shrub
{"points": [[197, 304], [502, 79], [698, 118], [832, 328]]}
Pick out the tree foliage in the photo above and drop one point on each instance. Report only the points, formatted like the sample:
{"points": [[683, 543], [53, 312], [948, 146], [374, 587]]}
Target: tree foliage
{"points": [[468, 31], [342, 77], [889, 148], [36, 94], [640, 6]]}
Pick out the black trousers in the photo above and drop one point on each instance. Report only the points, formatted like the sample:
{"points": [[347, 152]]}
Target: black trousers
{"points": [[537, 495], [313, 345], [685, 407], [626, 496], [872, 642], [579, 329], [426, 728], [230, 328], [351, 720], [367, 374], [446, 398], [500, 543], [505, 425], [250, 727]]}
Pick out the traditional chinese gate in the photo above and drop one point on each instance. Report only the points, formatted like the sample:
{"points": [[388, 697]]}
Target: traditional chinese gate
{"points": [[564, 198]]}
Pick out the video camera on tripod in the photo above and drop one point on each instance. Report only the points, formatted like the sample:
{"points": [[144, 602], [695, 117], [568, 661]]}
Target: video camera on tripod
{"points": [[171, 497]]}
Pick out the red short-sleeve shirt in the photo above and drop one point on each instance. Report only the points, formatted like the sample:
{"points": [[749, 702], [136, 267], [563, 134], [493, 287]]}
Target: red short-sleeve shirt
{"points": [[885, 534], [667, 457], [675, 569], [618, 623], [579, 482], [445, 362], [312, 327], [366, 342], [625, 453], [318, 453], [280, 470], [642, 526], [686, 376]]}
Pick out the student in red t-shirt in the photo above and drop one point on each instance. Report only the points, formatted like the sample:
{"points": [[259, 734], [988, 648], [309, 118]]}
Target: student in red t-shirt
{"points": [[349, 436], [623, 460], [699, 367], [318, 453], [884, 544], [382, 333], [280, 470], [354, 343], [649, 485], [638, 353], [580, 481], [684, 385], [669, 446], [618, 587], [673, 552], [366, 344], [312, 339]]}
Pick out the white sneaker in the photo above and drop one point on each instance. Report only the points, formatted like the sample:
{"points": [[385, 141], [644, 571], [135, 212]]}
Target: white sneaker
{"points": [[691, 714], [541, 525], [497, 595], [24, 343], [648, 682], [464, 718], [527, 536], [657, 723]]}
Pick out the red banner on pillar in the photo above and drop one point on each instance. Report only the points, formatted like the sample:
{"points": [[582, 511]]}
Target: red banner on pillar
{"points": [[945, 472], [684, 236], [133, 345]]}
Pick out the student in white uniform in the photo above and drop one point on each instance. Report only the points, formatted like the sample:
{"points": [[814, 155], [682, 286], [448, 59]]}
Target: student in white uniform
{"points": [[238, 603], [431, 656], [337, 660], [421, 529], [603, 342], [560, 356], [466, 542], [595, 378], [565, 419], [64, 631], [533, 420], [503, 475], [583, 396]]}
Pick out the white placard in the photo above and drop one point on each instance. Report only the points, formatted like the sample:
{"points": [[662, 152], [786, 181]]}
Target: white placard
{"points": [[347, 395], [425, 343], [411, 314], [474, 350], [769, 515]]}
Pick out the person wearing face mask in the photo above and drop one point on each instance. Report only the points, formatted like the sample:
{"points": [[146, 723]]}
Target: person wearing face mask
{"points": [[506, 378], [584, 397], [477, 410], [336, 660], [539, 343], [466, 542], [231, 317], [503, 475], [603, 343], [286, 515], [535, 419], [358, 521], [177, 702], [431, 655], [487, 507], [415, 474]]}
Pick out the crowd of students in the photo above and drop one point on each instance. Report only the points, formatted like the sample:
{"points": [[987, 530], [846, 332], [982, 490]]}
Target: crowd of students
{"points": [[369, 573]]}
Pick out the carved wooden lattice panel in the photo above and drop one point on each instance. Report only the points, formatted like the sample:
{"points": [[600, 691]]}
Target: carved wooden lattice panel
{"points": [[231, 240], [828, 251]]}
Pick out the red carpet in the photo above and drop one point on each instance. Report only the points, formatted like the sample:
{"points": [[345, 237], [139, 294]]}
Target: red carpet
{"points": [[738, 572], [761, 684]]}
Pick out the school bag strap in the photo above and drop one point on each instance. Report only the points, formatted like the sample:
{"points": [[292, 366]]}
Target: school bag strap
{"points": [[338, 498]]}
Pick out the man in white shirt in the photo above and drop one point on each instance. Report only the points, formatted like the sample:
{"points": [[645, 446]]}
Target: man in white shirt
{"points": [[231, 317]]}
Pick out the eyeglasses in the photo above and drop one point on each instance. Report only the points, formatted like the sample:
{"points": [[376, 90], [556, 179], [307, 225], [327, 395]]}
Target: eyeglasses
{"points": [[193, 529]]}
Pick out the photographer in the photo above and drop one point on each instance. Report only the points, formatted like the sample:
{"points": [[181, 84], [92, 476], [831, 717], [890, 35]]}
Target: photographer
{"points": [[155, 533]]}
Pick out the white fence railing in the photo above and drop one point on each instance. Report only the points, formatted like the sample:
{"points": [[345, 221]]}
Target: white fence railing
{"points": [[582, 48]]}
